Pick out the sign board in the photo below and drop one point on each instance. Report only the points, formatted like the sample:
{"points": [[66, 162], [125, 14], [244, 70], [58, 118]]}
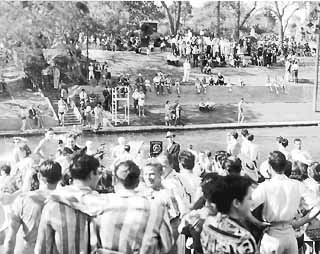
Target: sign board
{"points": [[155, 148]]}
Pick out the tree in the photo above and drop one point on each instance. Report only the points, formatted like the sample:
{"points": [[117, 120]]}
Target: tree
{"points": [[186, 11], [29, 27], [142, 10], [284, 12], [174, 21], [218, 19], [238, 8]]}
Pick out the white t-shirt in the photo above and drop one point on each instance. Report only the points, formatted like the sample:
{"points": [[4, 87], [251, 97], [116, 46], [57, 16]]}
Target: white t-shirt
{"points": [[141, 99], [186, 66]]}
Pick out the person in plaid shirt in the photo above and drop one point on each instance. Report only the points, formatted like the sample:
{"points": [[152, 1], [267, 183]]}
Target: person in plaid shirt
{"points": [[131, 223], [65, 220], [27, 209], [226, 232]]}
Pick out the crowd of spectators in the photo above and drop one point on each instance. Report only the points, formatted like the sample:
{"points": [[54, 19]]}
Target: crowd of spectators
{"points": [[231, 200]]}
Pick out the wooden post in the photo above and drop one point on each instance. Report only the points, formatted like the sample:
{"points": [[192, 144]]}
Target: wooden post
{"points": [[316, 82]]}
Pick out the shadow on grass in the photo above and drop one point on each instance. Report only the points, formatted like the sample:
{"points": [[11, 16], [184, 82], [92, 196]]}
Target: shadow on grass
{"points": [[305, 81]]}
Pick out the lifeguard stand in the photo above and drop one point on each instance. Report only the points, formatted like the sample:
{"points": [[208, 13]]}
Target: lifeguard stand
{"points": [[120, 105]]}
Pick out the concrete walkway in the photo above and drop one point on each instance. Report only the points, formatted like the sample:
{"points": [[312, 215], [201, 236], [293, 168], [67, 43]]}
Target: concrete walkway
{"points": [[161, 128]]}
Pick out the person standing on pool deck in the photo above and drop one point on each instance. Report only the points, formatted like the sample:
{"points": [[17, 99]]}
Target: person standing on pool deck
{"points": [[240, 111]]}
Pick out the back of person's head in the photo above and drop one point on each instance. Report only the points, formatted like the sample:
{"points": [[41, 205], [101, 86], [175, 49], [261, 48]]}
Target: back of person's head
{"points": [[186, 159], [250, 137], [210, 186], [51, 171], [82, 165], [299, 171], [232, 165], [277, 161], [128, 173], [5, 168], [235, 188], [25, 148], [314, 171]]}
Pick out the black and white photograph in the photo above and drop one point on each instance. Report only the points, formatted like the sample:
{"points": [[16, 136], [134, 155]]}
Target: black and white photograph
{"points": [[159, 127]]}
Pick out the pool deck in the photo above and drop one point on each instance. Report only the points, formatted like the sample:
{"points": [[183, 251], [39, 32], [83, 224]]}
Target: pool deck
{"points": [[158, 128]]}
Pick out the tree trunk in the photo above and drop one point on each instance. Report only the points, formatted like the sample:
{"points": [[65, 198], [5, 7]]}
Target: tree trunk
{"points": [[178, 18], [218, 20], [237, 32], [281, 33], [171, 21]]}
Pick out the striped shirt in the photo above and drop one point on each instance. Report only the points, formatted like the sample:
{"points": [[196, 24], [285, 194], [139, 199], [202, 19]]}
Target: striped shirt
{"points": [[63, 227], [173, 182], [222, 234], [26, 211], [133, 224], [165, 196]]}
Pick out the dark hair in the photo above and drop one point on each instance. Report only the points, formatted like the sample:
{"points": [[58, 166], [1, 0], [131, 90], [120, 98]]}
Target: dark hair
{"points": [[5, 168], [283, 141], [250, 137], [50, 129], [314, 171], [131, 180], [234, 134], [25, 148], [277, 161], [50, 170], [232, 165], [66, 151], [186, 159], [127, 148], [299, 171], [296, 140], [82, 165], [220, 156], [244, 132], [209, 186], [234, 187]]}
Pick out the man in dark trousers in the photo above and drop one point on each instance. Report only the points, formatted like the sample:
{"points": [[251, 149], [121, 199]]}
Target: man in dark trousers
{"points": [[173, 150]]}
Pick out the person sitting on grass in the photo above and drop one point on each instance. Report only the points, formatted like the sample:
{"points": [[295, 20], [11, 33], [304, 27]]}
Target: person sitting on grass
{"points": [[220, 80], [207, 69], [206, 106]]}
